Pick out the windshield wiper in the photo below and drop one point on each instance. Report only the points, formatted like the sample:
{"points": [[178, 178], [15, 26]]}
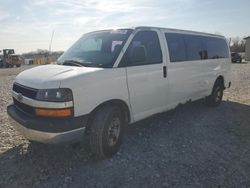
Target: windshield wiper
{"points": [[79, 64], [72, 63]]}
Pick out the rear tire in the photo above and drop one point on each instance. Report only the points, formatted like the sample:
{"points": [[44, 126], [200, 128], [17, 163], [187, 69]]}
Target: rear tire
{"points": [[217, 94], [106, 131]]}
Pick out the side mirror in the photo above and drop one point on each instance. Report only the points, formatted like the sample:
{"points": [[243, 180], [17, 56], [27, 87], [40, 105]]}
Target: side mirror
{"points": [[138, 54]]}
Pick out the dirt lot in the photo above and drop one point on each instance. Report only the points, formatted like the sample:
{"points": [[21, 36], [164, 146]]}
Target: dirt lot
{"points": [[191, 146]]}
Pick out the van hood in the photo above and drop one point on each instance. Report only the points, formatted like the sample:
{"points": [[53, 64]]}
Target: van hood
{"points": [[51, 76]]}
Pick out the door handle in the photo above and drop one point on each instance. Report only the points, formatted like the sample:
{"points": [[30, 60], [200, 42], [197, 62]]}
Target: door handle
{"points": [[164, 71]]}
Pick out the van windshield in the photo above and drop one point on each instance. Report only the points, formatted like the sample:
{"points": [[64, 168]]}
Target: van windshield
{"points": [[98, 49]]}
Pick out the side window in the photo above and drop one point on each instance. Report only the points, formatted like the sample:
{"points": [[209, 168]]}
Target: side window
{"points": [[194, 47], [144, 49], [216, 48], [183, 47], [176, 47]]}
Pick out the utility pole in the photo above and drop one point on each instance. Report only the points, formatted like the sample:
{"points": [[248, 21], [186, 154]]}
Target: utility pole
{"points": [[52, 36], [49, 54]]}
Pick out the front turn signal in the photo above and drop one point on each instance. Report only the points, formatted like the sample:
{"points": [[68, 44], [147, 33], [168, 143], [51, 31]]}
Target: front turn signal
{"points": [[54, 112]]}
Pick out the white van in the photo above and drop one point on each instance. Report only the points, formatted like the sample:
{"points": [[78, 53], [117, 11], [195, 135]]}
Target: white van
{"points": [[111, 78]]}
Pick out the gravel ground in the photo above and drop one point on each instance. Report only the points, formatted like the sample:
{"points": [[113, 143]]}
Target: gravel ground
{"points": [[191, 146]]}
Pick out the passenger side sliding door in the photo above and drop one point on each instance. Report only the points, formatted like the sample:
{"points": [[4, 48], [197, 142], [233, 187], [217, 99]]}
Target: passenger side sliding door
{"points": [[145, 76], [184, 75]]}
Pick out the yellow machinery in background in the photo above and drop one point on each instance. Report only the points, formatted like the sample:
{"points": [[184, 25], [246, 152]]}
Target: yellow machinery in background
{"points": [[42, 61]]}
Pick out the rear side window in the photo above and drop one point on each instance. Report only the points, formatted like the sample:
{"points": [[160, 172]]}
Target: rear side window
{"points": [[183, 47], [176, 47], [194, 47], [149, 41], [216, 48]]}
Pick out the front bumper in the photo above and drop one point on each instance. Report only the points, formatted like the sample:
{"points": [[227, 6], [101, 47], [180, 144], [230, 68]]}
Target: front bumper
{"points": [[47, 130]]}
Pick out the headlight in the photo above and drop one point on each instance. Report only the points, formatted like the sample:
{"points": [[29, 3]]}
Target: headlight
{"points": [[55, 95]]}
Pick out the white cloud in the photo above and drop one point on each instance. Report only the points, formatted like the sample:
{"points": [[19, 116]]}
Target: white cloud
{"points": [[31, 26], [3, 14], [71, 18]]}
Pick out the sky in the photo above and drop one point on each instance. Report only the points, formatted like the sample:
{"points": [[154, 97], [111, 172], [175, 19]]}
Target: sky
{"points": [[27, 25]]}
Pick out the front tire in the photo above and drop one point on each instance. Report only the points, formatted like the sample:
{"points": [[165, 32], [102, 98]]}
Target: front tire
{"points": [[106, 131], [217, 94]]}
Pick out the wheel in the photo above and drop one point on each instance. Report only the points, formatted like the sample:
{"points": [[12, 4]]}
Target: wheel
{"points": [[216, 96], [106, 131]]}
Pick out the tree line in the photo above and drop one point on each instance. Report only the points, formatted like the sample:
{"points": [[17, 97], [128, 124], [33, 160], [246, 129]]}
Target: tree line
{"points": [[237, 44]]}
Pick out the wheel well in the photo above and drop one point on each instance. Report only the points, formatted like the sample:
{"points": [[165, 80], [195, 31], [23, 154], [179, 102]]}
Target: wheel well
{"points": [[121, 104]]}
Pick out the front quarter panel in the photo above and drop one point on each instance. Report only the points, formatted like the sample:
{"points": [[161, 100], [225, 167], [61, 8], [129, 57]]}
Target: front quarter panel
{"points": [[91, 90]]}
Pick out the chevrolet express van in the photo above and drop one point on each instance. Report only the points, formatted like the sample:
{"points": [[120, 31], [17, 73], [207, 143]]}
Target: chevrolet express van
{"points": [[111, 78]]}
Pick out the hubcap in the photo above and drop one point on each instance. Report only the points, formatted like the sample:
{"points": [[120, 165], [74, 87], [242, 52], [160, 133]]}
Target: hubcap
{"points": [[114, 131]]}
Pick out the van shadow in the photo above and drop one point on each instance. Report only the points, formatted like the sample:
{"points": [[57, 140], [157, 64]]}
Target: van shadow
{"points": [[36, 164], [230, 116]]}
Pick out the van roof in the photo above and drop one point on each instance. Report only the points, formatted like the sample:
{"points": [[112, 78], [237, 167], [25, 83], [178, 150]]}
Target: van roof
{"points": [[162, 28], [177, 30]]}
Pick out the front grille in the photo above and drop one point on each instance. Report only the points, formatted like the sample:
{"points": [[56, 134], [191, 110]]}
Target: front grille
{"points": [[23, 107], [25, 91]]}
